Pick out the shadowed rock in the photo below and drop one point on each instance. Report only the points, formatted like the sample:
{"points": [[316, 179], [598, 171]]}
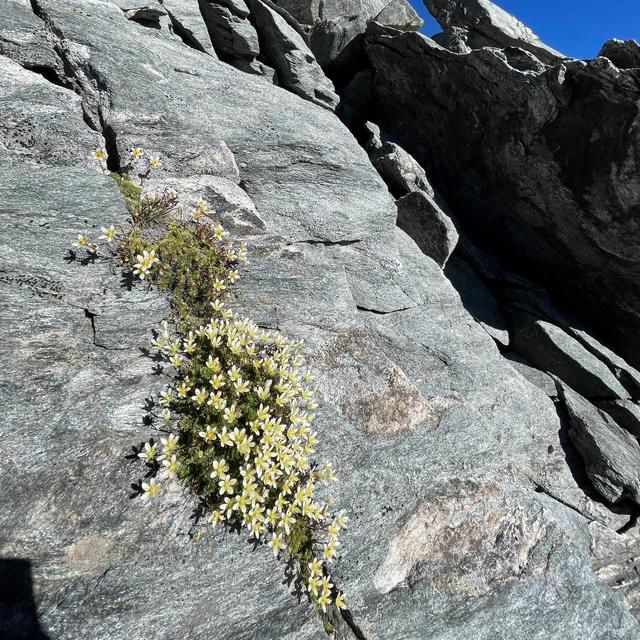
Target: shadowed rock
{"points": [[625, 54], [625, 412], [541, 166], [433, 231], [611, 454], [550, 349]]}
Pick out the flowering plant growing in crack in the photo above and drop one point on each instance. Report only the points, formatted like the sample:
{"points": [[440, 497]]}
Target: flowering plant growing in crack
{"points": [[238, 413]]}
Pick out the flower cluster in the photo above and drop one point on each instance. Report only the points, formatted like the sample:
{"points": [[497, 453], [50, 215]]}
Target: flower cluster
{"points": [[239, 411], [245, 439]]}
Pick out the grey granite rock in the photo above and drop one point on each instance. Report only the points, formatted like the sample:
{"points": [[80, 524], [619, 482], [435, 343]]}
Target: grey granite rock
{"points": [[478, 299], [611, 454], [625, 412], [420, 217], [41, 122], [234, 38], [229, 203], [625, 54], [24, 39], [522, 295], [399, 169], [552, 350], [541, 379], [486, 24], [188, 23], [149, 13], [337, 27], [541, 169], [290, 56]]}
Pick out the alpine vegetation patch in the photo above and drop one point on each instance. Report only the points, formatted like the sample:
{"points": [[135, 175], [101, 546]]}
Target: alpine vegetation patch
{"points": [[237, 415]]}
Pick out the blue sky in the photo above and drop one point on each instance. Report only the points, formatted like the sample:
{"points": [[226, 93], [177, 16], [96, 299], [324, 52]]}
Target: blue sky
{"points": [[575, 27]]}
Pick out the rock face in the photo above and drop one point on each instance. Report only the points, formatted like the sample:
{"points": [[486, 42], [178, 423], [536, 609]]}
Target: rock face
{"points": [[552, 350], [540, 163], [421, 218], [481, 23], [293, 61], [470, 507], [337, 27], [234, 37], [611, 454], [625, 54]]}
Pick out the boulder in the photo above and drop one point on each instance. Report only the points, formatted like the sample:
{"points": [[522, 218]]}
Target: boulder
{"points": [[24, 38], [611, 454], [290, 56], [230, 204], [233, 36], [422, 219], [546, 157], [398, 169], [337, 28], [485, 24], [551, 349], [625, 54], [187, 22]]}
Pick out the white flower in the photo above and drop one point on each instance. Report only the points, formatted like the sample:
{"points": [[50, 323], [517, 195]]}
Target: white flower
{"points": [[82, 241], [149, 452], [150, 489], [108, 234], [171, 466]]}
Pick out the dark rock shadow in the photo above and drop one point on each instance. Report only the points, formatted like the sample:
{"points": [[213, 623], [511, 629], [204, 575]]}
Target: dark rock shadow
{"points": [[578, 471], [18, 614]]}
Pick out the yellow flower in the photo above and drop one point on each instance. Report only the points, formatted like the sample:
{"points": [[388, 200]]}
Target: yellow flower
{"points": [[220, 467], [216, 517], [209, 434], [136, 152], [98, 154], [324, 600], [340, 601], [231, 414], [155, 162], [217, 381], [200, 395], [171, 466]]}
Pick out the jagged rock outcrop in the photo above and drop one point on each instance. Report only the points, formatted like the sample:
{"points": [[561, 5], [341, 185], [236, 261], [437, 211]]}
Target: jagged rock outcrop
{"points": [[625, 54], [232, 34], [542, 165], [465, 512], [480, 23], [551, 349], [292, 59], [431, 229], [337, 27], [611, 454], [626, 413]]}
